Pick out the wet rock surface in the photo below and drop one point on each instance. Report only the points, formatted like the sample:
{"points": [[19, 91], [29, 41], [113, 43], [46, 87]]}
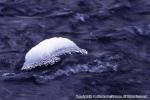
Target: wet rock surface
{"points": [[116, 34]]}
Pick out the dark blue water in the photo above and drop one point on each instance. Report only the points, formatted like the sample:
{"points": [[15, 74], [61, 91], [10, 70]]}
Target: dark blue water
{"points": [[116, 33]]}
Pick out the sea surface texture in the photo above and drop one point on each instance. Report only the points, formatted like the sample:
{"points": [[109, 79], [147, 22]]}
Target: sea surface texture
{"points": [[116, 34]]}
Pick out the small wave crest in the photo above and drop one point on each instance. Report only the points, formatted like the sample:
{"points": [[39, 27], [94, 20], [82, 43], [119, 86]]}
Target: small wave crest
{"points": [[95, 66]]}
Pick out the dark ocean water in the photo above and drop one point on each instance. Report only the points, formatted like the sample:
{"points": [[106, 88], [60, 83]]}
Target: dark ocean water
{"points": [[116, 33]]}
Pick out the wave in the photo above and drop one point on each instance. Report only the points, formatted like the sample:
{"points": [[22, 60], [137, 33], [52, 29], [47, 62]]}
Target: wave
{"points": [[95, 66]]}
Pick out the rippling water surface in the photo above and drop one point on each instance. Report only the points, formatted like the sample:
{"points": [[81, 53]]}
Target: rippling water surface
{"points": [[116, 34]]}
